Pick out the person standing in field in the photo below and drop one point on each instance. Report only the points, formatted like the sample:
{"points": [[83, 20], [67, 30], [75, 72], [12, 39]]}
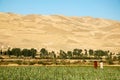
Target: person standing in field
{"points": [[101, 64], [95, 64]]}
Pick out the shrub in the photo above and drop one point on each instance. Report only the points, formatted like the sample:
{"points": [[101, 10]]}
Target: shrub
{"points": [[18, 62], [32, 63]]}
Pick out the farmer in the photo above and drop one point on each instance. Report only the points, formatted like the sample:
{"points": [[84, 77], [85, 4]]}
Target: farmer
{"points": [[101, 64], [95, 64]]}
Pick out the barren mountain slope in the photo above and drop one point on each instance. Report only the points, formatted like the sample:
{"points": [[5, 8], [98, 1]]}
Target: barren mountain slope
{"points": [[56, 32]]}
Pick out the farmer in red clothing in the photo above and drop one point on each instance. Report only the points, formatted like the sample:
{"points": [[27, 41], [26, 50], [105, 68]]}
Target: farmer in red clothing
{"points": [[95, 64]]}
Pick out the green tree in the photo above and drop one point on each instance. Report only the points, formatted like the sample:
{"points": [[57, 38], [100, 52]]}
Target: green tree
{"points": [[25, 52], [0, 52], [91, 52], [114, 58], [16, 52], [43, 53], [86, 52], [33, 52], [63, 55], [52, 55], [100, 53], [69, 54], [119, 58], [109, 58], [9, 52], [77, 52]]}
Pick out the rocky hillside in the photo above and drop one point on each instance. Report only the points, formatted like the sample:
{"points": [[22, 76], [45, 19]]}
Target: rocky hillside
{"points": [[56, 32]]}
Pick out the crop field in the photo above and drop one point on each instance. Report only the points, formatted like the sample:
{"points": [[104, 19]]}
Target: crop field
{"points": [[58, 73]]}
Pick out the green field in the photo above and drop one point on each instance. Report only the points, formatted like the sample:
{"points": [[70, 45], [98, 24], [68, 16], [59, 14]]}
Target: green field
{"points": [[58, 73]]}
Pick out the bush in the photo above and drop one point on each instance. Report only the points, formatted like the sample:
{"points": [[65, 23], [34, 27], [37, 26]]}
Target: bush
{"points": [[32, 63], [40, 62], [110, 61], [25, 63], [18, 62], [4, 63], [63, 62]]}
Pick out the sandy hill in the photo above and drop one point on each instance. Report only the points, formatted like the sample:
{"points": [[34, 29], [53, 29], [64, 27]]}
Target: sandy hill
{"points": [[56, 32]]}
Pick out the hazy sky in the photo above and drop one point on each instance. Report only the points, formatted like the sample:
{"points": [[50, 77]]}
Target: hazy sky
{"points": [[109, 9]]}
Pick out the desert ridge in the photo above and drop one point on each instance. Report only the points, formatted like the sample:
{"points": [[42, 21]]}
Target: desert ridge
{"points": [[56, 32]]}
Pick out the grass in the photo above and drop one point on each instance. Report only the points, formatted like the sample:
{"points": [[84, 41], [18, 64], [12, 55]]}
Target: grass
{"points": [[58, 73]]}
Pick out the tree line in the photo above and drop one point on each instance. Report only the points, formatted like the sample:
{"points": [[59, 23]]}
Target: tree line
{"points": [[45, 54]]}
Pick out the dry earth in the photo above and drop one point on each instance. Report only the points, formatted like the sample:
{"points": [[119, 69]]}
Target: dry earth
{"points": [[56, 32]]}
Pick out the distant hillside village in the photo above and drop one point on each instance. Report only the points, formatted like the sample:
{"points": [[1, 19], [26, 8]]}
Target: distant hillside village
{"points": [[45, 57]]}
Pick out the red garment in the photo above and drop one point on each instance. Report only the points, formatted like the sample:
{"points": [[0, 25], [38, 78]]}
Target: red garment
{"points": [[95, 64]]}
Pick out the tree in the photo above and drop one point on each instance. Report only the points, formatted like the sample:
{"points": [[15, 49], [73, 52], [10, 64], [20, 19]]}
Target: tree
{"points": [[52, 55], [100, 53], [25, 52], [119, 58], [16, 52], [91, 52], [0, 51], [86, 52], [33, 52], [110, 55], [43, 53], [63, 55], [114, 58], [109, 58], [9, 52], [69, 54], [76, 52]]}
